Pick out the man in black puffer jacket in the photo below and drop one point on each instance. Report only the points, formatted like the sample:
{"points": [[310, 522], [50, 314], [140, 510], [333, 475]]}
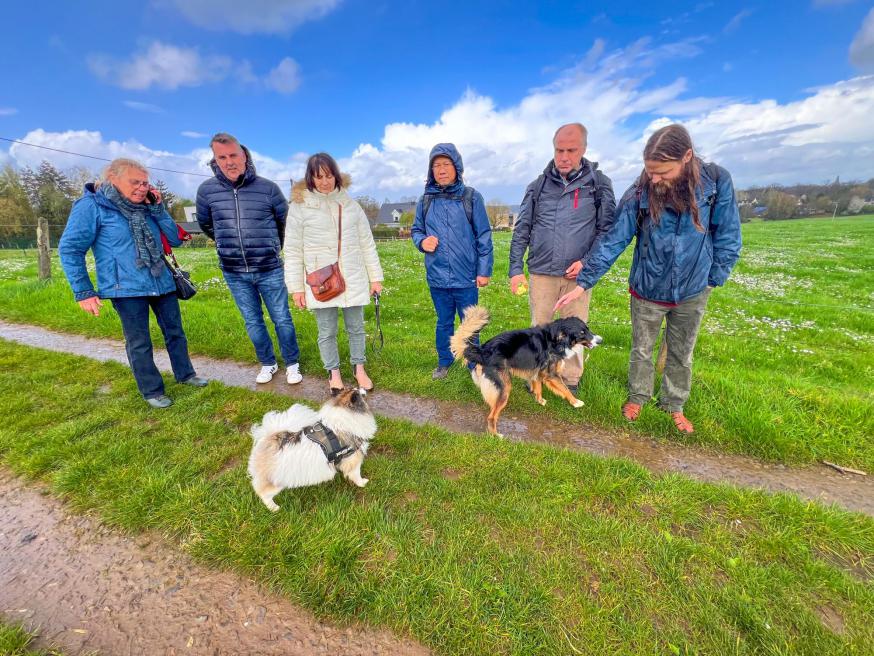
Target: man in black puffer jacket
{"points": [[245, 215]]}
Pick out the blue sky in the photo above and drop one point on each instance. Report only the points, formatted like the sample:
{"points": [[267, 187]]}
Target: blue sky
{"points": [[776, 91]]}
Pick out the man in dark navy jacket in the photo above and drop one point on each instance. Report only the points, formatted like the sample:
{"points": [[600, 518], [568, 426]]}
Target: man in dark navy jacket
{"points": [[245, 215]]}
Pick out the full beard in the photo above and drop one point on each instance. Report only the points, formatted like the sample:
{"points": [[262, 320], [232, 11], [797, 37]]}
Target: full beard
{"points": [[674, 194]]}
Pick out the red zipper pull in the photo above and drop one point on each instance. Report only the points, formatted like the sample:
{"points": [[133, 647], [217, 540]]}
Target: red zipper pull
{"points": [[576, 197]]}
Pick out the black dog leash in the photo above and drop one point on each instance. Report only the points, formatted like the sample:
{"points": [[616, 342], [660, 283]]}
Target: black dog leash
{"points": [[377, 336]]}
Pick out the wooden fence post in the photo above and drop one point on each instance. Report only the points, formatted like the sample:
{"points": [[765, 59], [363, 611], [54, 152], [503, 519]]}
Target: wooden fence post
{"points": [[43, 249]]}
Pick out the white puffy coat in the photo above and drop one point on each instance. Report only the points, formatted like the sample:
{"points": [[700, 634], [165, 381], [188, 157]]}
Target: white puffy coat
{"points": [[311, 243]]}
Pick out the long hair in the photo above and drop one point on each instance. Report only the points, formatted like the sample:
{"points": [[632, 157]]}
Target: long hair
{"points": [[318, 162], [670, 144]]}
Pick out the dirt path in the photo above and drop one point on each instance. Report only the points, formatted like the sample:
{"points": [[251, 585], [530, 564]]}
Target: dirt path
{"points": [[815, 482], [88, 588]]}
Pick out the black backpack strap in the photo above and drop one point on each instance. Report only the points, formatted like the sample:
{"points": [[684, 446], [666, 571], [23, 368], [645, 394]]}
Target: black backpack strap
{"points": [[642, 228], [536, 196], [467, 203], [466, 199]]}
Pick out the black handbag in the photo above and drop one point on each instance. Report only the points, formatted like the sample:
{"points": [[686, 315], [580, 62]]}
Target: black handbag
{"points": [[185, 289]]}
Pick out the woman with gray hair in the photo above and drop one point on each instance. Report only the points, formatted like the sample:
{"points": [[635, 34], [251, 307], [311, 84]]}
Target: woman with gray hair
{"points": [[121, 220]]}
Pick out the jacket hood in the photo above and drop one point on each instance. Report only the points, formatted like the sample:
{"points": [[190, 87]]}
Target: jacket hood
{"points": [[248, 175], [299, 187], [447, 150]]}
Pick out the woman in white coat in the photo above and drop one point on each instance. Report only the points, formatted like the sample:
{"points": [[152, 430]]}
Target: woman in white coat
{"points": [[311, 243]]}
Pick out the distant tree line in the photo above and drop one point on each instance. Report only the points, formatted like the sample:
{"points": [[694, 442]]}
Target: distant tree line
{"points": [[46, 192], [787, 202]]}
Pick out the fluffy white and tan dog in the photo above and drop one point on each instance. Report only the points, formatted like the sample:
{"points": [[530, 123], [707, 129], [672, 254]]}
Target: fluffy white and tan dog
{"points": [[301, 447]]}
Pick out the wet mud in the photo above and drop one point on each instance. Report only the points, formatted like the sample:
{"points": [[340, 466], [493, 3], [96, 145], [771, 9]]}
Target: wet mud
{"points": [[86, 588], [816, 482]]}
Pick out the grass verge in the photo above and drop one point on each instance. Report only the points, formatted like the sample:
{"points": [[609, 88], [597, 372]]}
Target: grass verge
{"points": [[470, 544], [783, 364], [16, 641]]}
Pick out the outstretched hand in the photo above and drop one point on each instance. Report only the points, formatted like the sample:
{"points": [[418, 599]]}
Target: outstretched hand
{"points": [[569, 298]]}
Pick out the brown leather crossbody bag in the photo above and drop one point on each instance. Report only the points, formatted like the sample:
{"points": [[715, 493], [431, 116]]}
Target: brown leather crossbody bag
{"points": [[327, 282]]}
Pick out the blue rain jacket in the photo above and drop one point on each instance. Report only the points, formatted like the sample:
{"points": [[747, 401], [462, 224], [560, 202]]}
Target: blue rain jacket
{"points": [[678, 261], [464, 249], [96, 223]]}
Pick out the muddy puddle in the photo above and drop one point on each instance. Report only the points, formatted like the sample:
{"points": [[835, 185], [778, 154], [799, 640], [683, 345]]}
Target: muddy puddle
{"points": [[816, 482], [86, 588]]}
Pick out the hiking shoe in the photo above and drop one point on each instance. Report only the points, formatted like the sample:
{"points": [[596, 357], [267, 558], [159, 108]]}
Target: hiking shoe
{"points": [[266, 373], [292, 374], [196, 381], [160, 401], [439, 373]]}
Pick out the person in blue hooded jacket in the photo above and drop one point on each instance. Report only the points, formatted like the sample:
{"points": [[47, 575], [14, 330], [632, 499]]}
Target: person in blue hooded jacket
{"points": [[685, 216], [452, 229], [121, 222]]}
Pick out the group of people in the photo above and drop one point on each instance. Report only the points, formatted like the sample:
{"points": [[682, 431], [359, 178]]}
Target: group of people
{"points": [[682, 211]]}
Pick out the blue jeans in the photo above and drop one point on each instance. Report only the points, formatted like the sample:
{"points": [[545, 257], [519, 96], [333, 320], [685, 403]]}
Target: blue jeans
{"points": [[134, 314], [248, 290], [448, 302]]}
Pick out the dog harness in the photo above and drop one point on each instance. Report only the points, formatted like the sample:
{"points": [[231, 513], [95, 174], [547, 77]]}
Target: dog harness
{"points": [[335, 448]]}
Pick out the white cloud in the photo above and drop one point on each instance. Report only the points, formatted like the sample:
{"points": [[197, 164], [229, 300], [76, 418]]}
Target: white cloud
{"points": [[827, 132], [162, 65], [862, 47], [8, 111], [736, 20], [285, 78], [195, 161], [253, 16], [167, 66], [143, 107], [191, 134]]}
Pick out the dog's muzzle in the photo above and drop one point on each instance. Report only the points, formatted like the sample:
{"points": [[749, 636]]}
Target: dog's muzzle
{"points": [[595, 341]]}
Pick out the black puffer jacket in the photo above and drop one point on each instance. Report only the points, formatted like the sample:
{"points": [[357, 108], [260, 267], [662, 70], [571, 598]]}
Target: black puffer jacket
{"points": [[246, 220]]}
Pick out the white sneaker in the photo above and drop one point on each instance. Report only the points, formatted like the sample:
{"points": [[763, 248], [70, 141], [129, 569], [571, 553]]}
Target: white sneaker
{"points": [[266, 373], [292, 374]]}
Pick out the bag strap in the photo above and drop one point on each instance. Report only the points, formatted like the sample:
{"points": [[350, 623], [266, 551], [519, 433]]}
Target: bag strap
{"points": [[466, 202]]}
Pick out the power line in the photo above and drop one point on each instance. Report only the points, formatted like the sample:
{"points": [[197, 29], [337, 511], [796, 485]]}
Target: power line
{"points": [[103, 159]]}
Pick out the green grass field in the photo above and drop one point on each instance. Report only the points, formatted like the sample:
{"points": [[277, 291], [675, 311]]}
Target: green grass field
{"points": [[783, 365], [468, 543], [15, 641]]}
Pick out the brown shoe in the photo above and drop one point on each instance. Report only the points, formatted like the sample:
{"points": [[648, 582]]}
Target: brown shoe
{"points": [[683, 425], [631, 411]]}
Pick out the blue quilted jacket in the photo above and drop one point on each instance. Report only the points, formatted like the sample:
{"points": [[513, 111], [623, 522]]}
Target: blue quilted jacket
{"points": [[245, 218]]}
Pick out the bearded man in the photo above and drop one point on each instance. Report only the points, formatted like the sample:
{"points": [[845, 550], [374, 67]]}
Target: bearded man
{"points": [[685, 217]]}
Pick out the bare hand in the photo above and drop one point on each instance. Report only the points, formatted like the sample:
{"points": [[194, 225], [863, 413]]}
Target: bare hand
{"points": [[91, 305], [515, 281], [375, 288], [156, 193], [300, 300], [429, 244], [571, 272], [482, 281], [568, 298]]}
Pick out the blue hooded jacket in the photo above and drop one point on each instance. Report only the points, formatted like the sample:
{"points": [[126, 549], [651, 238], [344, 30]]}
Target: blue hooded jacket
{"points": [[246, 219], [464, 249], [677, 261], [96, 223]]}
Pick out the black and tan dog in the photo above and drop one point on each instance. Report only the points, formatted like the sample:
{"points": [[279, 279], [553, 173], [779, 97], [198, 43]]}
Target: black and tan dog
{"points": [[534, 354]]}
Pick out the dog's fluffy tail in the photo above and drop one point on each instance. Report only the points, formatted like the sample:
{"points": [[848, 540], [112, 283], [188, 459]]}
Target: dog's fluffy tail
{"points": [[475, 319], [291, 420]]}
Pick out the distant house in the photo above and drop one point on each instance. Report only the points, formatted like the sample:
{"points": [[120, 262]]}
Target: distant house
{"points": [[390, 213], [190, 224]]}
